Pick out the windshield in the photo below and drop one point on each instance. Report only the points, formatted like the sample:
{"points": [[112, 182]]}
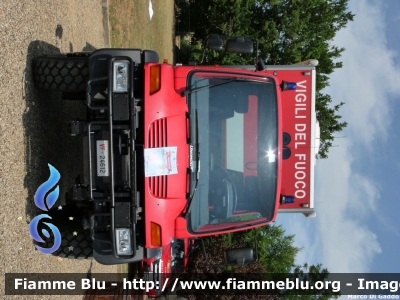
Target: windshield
{"points": [[233, 150]]}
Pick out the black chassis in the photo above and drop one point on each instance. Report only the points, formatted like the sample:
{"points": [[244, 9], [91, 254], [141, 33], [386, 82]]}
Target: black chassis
{"points": [[116, 118]]}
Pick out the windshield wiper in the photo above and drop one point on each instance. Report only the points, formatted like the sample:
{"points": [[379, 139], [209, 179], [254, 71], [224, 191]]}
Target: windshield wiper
{"points": [[197, 146], [189, 91], [239, 226], [227, 80]]}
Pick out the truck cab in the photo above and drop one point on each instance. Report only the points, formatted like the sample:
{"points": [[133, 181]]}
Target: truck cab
{"points": [[252, 140], [222, 126]]}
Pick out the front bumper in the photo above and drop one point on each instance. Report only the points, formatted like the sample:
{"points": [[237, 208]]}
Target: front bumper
{"points": [[113, 119]]}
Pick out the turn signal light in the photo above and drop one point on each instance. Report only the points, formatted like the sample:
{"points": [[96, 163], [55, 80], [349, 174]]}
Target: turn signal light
{"points": [[155, 76], [155, 234]]}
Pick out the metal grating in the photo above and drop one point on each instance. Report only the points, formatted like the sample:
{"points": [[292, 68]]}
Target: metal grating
{"points": [[157, 139], [158, 133]]}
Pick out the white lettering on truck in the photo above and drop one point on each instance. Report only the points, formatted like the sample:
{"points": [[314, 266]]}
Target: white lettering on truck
{"points": [[300, 138]]}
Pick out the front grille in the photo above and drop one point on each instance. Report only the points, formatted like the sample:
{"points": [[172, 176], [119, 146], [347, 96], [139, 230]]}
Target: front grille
{"points": [[158, 133], [157, 139], [158, 186]]}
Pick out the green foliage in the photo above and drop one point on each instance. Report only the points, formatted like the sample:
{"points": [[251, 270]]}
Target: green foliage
{"points": [[276, 251], [313, 274], [188, 51], [277, 257], [288, 31], [328, 122]]}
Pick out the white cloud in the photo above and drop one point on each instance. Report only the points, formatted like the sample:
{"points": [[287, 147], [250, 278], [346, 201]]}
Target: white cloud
{"points": [[348, 245], [341, 237], [369, 75], [305, 237], [367, 83]]}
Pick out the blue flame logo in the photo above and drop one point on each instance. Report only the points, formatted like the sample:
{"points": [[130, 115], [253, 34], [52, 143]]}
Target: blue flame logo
{"points": [[35, 234], [46, 203], [45, 187]]}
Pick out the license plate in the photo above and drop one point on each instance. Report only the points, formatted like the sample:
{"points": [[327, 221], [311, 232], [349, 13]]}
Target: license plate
{"points": [[102, 158]]}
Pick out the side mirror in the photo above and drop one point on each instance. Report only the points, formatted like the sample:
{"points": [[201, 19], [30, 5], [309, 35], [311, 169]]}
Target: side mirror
{"points": [[214, 42], [240, 256], [239, 45], [237, 256]]}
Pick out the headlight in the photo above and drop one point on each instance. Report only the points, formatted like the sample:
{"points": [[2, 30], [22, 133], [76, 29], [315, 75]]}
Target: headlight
{"points": [[123, 241], [121, 77]]}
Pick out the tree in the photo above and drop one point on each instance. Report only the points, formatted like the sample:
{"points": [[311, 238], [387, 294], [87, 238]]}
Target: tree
{"points": [[328, 122], [276, 251], [276, 261], [288, 31], [312, 274]]}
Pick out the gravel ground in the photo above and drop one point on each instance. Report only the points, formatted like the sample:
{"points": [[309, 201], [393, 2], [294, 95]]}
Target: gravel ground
{"points": [[32, 123]]}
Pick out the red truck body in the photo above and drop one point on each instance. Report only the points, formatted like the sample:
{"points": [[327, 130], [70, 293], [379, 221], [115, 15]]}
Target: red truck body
{"points": [[167, 125]]}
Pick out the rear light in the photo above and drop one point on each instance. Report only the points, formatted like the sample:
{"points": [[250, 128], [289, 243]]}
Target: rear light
{"points": [[155, 82], [155, 234]]}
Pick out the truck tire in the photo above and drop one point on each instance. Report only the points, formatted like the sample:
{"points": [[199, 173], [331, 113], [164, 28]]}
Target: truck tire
{"points": [[68, 220], [81, 242], [61, 73]]}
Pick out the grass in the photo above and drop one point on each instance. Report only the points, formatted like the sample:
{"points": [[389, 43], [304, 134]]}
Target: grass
{"points": [[131, 26], [123, 269]]}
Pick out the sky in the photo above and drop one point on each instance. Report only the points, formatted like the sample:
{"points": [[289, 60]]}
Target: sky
{"points": [[357, 227]]}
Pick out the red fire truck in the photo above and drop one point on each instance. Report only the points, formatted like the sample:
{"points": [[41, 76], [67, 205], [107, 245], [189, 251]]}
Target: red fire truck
{"points": [[171, 154], [250, 177]]}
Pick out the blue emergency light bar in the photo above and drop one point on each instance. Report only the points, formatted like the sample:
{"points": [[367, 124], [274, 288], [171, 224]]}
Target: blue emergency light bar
{"points": [[288, 86], [287, 199]]}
